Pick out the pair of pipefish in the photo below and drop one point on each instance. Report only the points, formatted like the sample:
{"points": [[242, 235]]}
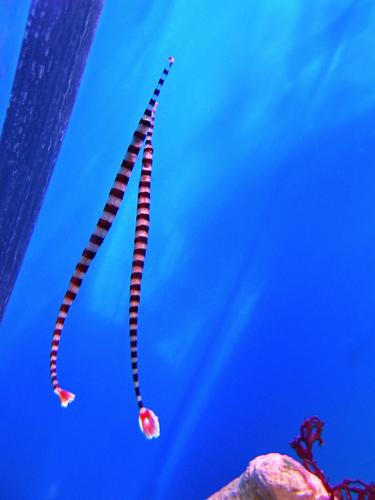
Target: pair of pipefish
{"points": [[148, 421]]}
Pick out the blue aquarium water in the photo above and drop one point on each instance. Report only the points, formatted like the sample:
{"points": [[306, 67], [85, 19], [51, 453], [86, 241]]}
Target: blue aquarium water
{"points": [[258, 296]]}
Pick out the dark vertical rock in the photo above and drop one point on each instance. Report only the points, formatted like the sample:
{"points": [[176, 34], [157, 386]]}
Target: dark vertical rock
{"points": [[56, 43]]}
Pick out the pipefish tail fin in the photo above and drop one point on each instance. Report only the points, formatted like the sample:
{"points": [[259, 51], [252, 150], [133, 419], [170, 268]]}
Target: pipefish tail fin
{"points": [[65, 397], [149, 423]]}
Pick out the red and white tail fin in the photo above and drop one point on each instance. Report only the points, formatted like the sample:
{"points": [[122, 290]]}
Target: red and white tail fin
{"points": [[65, 397], [149, 423], [103, 226]]}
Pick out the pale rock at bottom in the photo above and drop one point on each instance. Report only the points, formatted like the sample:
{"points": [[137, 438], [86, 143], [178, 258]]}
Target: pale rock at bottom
{"points": [[274, 477]]}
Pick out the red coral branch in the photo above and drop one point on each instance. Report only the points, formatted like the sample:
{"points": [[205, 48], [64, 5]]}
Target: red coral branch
{"points": [[310, 432], [344, 490]]}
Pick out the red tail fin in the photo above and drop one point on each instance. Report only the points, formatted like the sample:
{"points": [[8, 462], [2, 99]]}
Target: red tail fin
{"points": [[65, 397], [149, 423]]}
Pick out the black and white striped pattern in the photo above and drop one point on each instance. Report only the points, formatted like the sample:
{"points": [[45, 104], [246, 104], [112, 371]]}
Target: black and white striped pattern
{"points": [[103, 226], [140, 247], [148, 421]]}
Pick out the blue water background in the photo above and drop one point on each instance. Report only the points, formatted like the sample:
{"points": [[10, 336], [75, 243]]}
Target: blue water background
{"points": [[258, 303]]}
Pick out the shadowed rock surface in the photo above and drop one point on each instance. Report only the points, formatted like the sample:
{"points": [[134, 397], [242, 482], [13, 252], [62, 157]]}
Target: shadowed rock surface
{"points": [[54, 51]]}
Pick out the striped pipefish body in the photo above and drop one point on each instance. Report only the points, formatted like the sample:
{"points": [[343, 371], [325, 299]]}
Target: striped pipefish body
{"points": [[148, 421], [103, 225]]}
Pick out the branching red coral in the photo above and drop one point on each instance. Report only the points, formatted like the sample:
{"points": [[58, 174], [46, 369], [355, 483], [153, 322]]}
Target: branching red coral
{"points": [[310, 432]]}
